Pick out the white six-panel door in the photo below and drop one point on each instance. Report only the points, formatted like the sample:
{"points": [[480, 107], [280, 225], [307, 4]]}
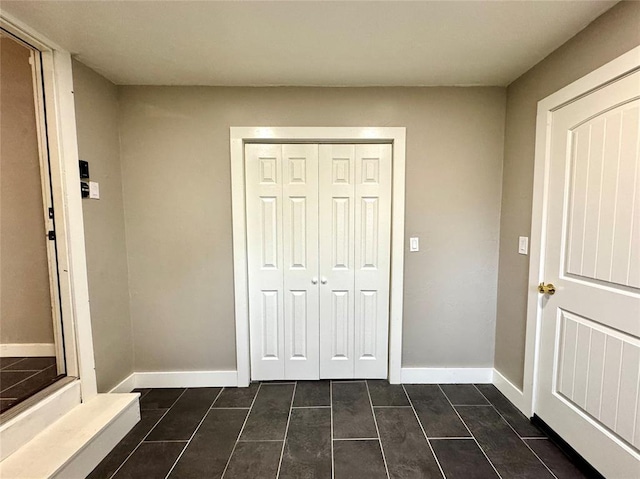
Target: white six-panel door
{"points": [[318, 241], [589, 362]]}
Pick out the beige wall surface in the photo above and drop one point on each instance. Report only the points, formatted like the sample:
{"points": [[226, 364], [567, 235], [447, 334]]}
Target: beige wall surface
{"points": [[25, 299], [97, 125], [177, 197], [609, 36]]}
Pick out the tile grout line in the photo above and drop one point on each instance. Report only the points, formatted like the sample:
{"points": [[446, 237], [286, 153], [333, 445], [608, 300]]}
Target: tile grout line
{"points": [[424, 432], [516, 432], [469, 429], [193, 435], [9, 365], [357, 439], [35, 373], [286, 429], [375, 423], [226, 466], [333, 466], [146, 435]]}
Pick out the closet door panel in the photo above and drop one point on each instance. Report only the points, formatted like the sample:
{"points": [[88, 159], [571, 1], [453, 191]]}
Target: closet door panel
{"points": [[300, 238], [337, 303], [372, 259], [265, 260]]}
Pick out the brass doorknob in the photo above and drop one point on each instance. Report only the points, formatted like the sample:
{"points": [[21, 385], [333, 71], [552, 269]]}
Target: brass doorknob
{"points": [[546, 288]]}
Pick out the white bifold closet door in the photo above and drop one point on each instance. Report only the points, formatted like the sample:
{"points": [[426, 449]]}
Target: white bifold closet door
{"points": [[318, 251]]}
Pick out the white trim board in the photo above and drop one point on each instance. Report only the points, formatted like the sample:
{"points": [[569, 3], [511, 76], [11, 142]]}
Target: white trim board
{"points": [[239, 136], [27, 350], [623, 65], [447, 375], [510, 391], [177, 379]]}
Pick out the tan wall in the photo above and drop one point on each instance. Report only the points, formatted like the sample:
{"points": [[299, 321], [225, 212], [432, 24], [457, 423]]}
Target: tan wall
{"points": [[97, 124], [25, 301], [177, 196], [609, 36]]}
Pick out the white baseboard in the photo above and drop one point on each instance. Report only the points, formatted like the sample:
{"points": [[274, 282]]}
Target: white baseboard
{"points": [[127, 385], [177, 379], [447, 375], [510, 391], [27, 350]]}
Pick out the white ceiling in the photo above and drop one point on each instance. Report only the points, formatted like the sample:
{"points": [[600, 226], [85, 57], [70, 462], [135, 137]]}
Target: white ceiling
{"points": [[322, 43]]}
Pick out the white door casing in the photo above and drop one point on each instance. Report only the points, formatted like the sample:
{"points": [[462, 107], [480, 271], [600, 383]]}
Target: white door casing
{"points": [[588, 379], [318, 248]]}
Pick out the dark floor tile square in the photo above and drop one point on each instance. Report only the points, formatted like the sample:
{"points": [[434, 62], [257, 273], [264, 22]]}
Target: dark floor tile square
{"points": [[508, 453], [183, 418], [464, 395], [352, 415], [208, 452], [152, 460], [555, 459], [237, 397], [405, 448], [4, 362], [162, 398], [269, 414], [32, 385], [307, 453], [436, 415], [513, 416], [312, 393], [11, 378], [462, 459], [255, 460], [385, 394], [32, 364], [119, 454], [358, 460]]}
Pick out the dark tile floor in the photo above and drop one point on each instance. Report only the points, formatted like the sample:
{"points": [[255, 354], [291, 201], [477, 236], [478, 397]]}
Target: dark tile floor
{"points": [[20, 378], [333, 429]]}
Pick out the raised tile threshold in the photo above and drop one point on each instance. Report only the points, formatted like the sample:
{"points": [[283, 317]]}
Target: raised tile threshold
{"points": [[73, 445]]}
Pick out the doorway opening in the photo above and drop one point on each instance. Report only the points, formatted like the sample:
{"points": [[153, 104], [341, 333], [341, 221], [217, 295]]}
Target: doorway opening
{"points": [[32, 355]]}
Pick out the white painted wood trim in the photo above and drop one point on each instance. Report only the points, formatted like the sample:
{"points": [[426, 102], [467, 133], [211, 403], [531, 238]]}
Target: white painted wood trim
{"points": [[127, 385], [446, 375], [27, 350], [76, 443], [186, 379], [510, 391], [241, 135], [19, 430], [621, 66]]}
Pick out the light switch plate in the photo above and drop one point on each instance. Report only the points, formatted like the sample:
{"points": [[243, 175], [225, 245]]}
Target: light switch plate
{"points": [[414, 244], [523, 245], [94, 190]]}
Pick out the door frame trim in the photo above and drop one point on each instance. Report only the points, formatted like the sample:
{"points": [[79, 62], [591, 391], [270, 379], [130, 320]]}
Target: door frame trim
{"points": [[606, 74], [239, 136]]}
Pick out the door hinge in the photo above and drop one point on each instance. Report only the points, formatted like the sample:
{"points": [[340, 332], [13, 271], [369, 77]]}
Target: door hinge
{"points": [[50, 213], [51, 235]]}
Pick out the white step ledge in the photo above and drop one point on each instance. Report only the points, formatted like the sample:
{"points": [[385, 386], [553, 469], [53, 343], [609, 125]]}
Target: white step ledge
{"points": [[72, 446]]}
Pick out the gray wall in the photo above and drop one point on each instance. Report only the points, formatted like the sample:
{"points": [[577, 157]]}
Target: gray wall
{"points": [[97, 125], [177, 198], [25, 298], [609, 36]]}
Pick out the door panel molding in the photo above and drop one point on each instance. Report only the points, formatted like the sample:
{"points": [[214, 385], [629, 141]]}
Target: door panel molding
{"points": [[396, 137]]}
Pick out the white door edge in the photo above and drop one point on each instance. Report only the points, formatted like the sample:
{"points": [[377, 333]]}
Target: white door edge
{"points": [[621, 66], [239, 136]]}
